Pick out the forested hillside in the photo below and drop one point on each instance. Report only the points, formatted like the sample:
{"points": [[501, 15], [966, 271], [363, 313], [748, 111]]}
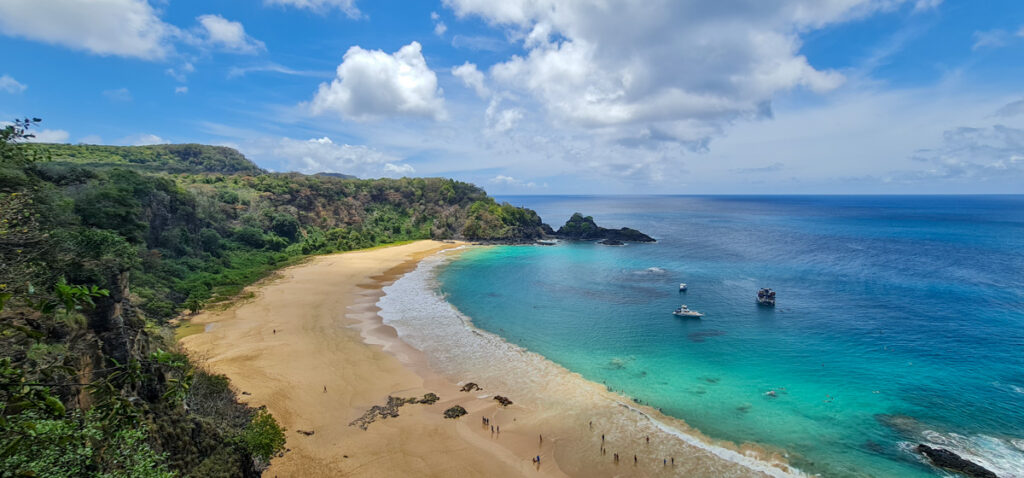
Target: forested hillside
{"points": [[101, 245]]}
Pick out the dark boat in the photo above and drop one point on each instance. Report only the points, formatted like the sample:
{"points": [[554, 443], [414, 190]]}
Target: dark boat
{"points": [[766, 297]]}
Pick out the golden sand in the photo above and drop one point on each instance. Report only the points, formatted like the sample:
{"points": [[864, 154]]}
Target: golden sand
{"points": [[311, 348]]}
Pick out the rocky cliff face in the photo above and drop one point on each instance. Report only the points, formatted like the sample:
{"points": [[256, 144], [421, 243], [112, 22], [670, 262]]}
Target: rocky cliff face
{"points": [[580, 227]]}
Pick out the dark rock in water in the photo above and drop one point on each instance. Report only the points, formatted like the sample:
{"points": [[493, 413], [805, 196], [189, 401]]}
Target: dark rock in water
{"points": [[455, 412], [612, 242], [504, 401], [951, 461], [580, 227], [469, 387]]}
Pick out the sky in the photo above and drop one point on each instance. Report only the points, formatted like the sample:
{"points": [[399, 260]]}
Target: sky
{"points": [[545, 96]]}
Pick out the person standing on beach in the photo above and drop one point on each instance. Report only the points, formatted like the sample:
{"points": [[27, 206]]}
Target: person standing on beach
{"points": [[634, 458]]}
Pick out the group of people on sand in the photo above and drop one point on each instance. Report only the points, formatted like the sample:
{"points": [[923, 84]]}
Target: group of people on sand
{"points": [[636, 458]]}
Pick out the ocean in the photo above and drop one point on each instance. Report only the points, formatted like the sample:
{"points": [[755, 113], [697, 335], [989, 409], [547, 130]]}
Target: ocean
{"points": [[899, 319]]}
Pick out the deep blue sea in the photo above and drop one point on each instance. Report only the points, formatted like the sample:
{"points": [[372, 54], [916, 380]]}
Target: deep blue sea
{"points": [[900, 320]]}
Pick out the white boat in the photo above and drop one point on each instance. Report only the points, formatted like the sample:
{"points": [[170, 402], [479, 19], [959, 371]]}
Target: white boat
{"points": [[684, 311], [682, 287]]}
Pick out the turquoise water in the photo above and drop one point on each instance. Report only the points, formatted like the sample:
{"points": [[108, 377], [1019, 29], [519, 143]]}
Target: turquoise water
{"points": [[900, 320]]}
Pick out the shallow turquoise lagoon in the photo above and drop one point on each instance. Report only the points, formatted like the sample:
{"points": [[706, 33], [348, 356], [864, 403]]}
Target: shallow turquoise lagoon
{"points": [[900, 320]]}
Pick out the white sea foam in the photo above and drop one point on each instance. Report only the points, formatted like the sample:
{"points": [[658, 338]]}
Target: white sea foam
{"points": [[1005, 458], [424, 320]]}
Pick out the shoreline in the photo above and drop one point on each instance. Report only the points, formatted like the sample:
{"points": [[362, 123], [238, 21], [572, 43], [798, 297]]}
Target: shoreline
{"points": [[564, 400], [306, 347], [326, 327]]}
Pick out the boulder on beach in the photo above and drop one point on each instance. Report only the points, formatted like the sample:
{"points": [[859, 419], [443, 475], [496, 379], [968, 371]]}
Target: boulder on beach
{"points": [[429, 398], [504, 401], [455, 412], [469, 387], [951, 461]]}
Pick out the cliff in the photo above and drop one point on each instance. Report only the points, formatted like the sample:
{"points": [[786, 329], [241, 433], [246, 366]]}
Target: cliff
{"points": [[580, 227]]}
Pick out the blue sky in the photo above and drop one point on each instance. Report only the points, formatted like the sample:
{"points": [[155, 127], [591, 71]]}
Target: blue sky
{"points": [[545, 96]]}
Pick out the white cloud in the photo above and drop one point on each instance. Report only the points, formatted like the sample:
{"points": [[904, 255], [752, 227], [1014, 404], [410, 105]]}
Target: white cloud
{"points": [[472, 78], [977, 154], [181, 73], [90, 139], [128, 28], [501, 120], [320, 6], [50, 136], [511, 181], [120, 94], [373, 84], [922, 5], [11, 85], [991, 39], [219, 32], [321, 155], [180, 90], [239, 71], [144, 139], [439, 26], [682, 69]]}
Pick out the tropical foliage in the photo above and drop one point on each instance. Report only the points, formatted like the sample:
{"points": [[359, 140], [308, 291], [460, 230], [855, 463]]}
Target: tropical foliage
{"points": [[101, 245]]}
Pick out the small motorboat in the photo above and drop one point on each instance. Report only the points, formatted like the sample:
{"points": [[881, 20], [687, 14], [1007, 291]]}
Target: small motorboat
{"points": [[766, 297], [684, 311], [682, 287]]}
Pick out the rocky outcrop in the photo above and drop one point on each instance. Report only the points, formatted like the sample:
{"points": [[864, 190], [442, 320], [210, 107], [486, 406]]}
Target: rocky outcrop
{"points": [[951, 461], [390, 409], [455, 412], [580, 227], [612, 242], [469, 387], [503, 401]]}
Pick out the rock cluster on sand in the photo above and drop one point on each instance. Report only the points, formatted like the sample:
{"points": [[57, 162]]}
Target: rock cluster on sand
{"points": [[504, 401], [455, 412], [951, 461], [469, 387], [580, 227], [390, 409]]}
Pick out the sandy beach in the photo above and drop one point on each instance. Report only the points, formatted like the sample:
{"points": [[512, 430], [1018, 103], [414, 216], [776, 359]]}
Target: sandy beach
{"points": [[311, 347]]}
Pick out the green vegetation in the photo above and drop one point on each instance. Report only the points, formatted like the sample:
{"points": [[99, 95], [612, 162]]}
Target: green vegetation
{"points": [[580, 227], [101, 245], [172, 158], [503, 222]]}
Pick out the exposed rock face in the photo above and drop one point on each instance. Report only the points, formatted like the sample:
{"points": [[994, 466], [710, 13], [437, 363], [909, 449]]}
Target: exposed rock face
{"points": [[951, 461], [504, 401], [580, 227], [455, 412], [612, 242], [469, 387], [390, 409]]}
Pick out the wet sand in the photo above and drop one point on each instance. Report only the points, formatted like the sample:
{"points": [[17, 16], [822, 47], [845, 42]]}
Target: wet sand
{"points": [[328, 334]]}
